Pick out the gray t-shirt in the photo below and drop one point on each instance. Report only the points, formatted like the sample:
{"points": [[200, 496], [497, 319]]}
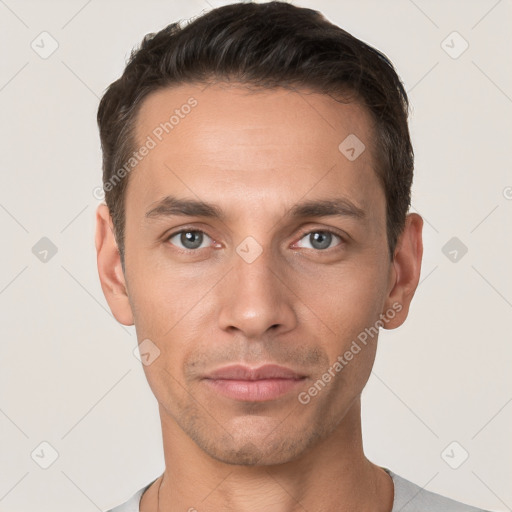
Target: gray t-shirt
{"points": [[409, 497]]}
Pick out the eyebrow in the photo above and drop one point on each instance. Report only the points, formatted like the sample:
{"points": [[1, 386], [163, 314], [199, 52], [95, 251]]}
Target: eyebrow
{"points": [[171, 206]]}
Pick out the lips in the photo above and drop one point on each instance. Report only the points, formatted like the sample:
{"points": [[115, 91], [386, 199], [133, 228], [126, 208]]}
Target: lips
{"points": [[267, 371], [242, 383]]}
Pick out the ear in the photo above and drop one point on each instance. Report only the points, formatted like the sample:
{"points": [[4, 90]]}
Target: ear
{"points": [[109, 267], [405, 270]]}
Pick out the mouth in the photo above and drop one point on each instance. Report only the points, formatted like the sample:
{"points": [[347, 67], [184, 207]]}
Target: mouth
{"points": [[264, 383]]}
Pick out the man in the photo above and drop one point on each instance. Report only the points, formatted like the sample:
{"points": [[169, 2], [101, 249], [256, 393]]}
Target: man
{"points": [[257, 170]]}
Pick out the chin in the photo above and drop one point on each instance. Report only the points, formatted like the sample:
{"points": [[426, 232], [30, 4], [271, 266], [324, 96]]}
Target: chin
{"points": [[251, 455], [267, 451]]}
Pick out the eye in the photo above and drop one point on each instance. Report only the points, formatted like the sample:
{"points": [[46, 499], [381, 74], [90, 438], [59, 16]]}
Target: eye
{"points": [[189, 238], [321, 239]]}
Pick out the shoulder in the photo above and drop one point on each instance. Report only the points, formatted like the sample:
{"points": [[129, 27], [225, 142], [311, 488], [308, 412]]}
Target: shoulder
{"points": [[132, 505], [410, 497]]}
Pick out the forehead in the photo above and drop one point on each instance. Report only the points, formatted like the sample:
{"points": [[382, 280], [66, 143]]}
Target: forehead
{"points": [[300, 116], [224, 140]]}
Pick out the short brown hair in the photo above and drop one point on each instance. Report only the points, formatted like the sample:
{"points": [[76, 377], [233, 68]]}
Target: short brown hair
{"points": [[267, 45]]}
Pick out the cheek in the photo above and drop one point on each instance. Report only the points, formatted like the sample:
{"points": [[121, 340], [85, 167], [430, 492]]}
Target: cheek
{"points": [[165, 297], [347, 299], [349, 304], [351, 313], [175, 312]]}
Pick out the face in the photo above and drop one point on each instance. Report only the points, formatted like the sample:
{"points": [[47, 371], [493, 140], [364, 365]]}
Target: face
{"points": [[256, 257]]}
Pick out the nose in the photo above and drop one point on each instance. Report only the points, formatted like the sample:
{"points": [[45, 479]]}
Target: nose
{"points": [[257, 298]]}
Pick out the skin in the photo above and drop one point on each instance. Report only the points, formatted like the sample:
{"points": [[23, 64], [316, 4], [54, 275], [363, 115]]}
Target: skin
{"points": [[255, 155]]}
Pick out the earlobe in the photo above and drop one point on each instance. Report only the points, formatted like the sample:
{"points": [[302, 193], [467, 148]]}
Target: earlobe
{"points": [[110, 271], [406, 270]]}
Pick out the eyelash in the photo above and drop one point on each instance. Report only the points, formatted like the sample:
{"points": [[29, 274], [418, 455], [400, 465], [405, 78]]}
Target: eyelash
{"points": [[302, 235]]}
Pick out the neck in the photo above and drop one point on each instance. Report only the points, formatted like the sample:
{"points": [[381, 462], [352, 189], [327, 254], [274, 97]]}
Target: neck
{"points": [[333, 475]]}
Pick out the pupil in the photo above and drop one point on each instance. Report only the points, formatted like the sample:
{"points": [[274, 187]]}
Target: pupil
{"points": [[321, 240], [187, 239]]}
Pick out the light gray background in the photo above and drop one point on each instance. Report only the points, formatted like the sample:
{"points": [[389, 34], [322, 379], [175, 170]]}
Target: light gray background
{"points": [[68, 375]]}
